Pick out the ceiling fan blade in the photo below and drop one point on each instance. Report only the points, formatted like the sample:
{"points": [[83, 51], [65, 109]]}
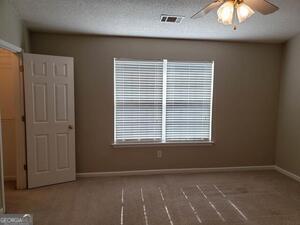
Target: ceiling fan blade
{"points": [[207, 9], [262, 6]]}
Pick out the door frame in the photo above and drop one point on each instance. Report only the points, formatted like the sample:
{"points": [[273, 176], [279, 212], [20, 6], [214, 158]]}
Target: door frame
{"points": [[2, 210], [21, 173]]}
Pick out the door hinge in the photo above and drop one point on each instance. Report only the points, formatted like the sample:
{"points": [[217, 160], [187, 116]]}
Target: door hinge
{"points": [[21, 68], [23, 118], [25, 167]]}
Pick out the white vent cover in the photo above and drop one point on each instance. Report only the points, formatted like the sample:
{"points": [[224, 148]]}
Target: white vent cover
{"points": [[171, 19]]}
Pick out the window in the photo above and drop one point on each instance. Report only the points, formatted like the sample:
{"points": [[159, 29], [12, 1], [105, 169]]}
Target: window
{"points": [[161, 101], [138, 101]]}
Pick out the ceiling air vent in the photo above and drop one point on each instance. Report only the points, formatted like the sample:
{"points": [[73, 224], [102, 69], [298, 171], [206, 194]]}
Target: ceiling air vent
{"points": [[171, 19]]}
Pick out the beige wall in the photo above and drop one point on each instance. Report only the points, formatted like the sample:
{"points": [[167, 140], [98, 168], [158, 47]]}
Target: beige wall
{"points": [[245, 100], [288, 134], [12, 29]]}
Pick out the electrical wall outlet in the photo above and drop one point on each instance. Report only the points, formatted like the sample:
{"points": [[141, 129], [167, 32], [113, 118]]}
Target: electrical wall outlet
{"points": [[159, 154]]}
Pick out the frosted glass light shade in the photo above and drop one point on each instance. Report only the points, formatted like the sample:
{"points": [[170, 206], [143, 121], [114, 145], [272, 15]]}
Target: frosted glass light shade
{"points": [[225, 13], [244, 12]]}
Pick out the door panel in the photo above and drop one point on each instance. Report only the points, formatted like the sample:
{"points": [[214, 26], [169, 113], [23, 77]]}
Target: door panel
{"points": [[41, 152], [49, 98], [61, 103], [39, 94], [62, 149]]}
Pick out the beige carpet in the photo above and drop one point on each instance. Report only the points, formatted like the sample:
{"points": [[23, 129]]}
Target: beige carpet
{"points": [[254, 198]]}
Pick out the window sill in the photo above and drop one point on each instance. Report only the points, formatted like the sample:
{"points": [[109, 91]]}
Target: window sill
{"points": [[170, 144]]}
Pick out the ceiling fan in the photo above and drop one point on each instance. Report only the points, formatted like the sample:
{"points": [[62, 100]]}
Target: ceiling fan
{"points": [[236, 10]]}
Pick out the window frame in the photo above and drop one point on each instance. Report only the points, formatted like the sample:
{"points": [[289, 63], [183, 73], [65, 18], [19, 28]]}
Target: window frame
{"points": [[163, 142]]}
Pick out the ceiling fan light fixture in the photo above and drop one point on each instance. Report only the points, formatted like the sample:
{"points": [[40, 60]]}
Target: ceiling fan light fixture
{"points": [[225, 13], [244, 12]]}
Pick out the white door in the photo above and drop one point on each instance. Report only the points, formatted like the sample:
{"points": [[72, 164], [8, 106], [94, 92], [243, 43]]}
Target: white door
{"points": [[50, 124]]}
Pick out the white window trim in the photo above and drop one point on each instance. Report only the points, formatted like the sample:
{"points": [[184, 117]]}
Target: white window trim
{"points": [[164, 102], [163, 142], [212, 101], [115, 104]]}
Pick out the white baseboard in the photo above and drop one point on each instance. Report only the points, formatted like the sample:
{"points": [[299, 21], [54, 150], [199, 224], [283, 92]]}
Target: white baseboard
{"points": [[287, 173], [174, 171], [9, 178]]}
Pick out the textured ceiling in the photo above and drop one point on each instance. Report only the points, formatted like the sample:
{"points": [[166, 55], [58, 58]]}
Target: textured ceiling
{"points": [[142, 18]]}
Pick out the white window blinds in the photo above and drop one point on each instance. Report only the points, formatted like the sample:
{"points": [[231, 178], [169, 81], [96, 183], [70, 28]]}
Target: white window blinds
{"points": [[162, 101], [138, 100], [188, 104]]}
